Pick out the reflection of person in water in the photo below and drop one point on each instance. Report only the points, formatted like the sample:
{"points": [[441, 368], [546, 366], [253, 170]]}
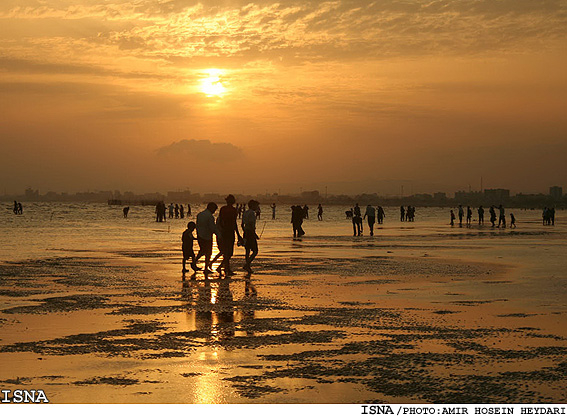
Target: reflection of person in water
{"points": [[211, 306]]}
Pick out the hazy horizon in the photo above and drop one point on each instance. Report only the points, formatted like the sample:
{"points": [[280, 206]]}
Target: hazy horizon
{"points": [[231, 96]]}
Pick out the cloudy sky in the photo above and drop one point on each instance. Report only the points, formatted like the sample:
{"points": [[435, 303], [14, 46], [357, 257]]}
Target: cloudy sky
{"points": [[249, 96]]}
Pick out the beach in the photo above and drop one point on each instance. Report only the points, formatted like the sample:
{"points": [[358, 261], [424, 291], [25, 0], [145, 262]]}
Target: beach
{"points": [[94, 309]]}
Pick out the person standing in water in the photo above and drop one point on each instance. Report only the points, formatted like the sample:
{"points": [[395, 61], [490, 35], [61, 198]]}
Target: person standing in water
{"points": [[452, 218], [125, 211], [461, 215], [181, 211], [297, 221], [357, 221], [469, 215], [371, 215], [249, 233], [402, 213], [320, 212], [480, 215], [273, 206]]}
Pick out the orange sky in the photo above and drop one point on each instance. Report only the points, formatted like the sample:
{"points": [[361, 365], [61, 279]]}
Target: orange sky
{"points": [[253, 96]]}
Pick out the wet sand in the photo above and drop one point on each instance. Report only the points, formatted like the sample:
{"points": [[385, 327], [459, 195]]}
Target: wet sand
{"points": [[470, 316]]}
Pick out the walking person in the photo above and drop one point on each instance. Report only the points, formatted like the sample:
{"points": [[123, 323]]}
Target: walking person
{"points": [[249, 233], [492, 216], [381, 215], [320, 212], [502, 216], [371, 215], [480, 215], [226, 223], [187, 240], [206, 227]]}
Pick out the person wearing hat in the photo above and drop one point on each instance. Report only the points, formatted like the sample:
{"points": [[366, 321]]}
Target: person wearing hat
{"points": [[226, 223]]}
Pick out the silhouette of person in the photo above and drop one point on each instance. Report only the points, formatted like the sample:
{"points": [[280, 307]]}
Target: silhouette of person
{"points": [[206, 227], [381, 215], [273, 206], [552, 216], [502, 216], [158, 212], [452, 218], [305, 212], [512, 220], [20, 208], [480, 215], [402, 213], [371, 215], [181, 211], [469, 215], [188, 210], [492, 212], [187, 239], [171, 208], [226, 223], [461, 214], [320, 212], [357, 221], [176, 211], [297, 221], [249, 233], [16, 209], [125, 211]]}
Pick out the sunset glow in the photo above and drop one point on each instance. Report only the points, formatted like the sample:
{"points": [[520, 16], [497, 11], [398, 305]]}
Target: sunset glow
{"points": [[295, 89], [212, 85]]}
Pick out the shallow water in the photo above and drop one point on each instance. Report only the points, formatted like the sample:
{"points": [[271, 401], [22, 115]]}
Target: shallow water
{"points": [[94, 308], [47, 229]]}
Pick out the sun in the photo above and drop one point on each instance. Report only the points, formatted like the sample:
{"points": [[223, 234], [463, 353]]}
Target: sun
{"points": [[211, 84]]}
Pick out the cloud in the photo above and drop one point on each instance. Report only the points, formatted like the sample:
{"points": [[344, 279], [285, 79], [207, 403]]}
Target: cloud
{"points": [[202, 151]]}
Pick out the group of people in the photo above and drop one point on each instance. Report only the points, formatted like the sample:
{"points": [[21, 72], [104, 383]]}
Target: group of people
{"points": [[175, 211], [18, 209], [407, 215], [372, 215], [493, 217], [226, 230], [548, 216]]}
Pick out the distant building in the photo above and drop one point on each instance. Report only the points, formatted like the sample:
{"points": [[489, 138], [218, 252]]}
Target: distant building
{"points": [[310, 195], [178, 196], [440, 196], [556, 192], [31, 194], [496, 195]]}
